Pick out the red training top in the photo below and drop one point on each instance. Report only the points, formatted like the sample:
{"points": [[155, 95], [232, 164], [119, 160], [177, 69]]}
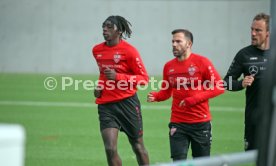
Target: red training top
{"points": [[127, 63], [195, 80]]}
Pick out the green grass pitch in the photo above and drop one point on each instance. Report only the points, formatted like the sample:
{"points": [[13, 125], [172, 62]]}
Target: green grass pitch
{"points": [[62, 128]]}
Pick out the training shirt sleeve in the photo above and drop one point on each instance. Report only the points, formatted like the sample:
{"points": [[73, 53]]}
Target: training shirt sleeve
{"points": [[135, 62], [233, 74], [214, 86], [166, 90], [100, 81]]}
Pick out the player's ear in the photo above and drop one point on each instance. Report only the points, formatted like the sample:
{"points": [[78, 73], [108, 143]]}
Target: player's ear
{"points": [[119, 33], [190, 43], [267, 34]]}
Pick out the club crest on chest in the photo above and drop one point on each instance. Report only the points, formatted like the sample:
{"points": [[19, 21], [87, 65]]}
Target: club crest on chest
{"points": [[117, 58], [192, 70]]}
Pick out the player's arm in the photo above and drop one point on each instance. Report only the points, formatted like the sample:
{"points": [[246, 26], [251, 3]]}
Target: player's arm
{"points": [[212, 89], [164, 93], [99, 88], [233, 74], [100, 84]]}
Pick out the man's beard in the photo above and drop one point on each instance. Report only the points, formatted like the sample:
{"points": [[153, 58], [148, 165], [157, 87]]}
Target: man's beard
{"points": [[179, 54]]}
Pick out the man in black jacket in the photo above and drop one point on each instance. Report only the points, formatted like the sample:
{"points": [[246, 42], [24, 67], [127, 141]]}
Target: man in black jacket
{"points": [[251, 62]]}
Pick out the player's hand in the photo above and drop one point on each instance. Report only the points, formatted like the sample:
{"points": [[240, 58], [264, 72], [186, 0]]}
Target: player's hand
{"points": [[182, 103], [150, 97], [110, 74], [247, 81], [98, 92]]}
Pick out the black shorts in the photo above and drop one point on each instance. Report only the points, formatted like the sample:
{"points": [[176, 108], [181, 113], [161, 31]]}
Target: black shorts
{"points": [[124, 115], [199, 135]]}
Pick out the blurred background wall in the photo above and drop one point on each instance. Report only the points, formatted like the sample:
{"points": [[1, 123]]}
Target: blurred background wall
{"points": [[56, 36]]}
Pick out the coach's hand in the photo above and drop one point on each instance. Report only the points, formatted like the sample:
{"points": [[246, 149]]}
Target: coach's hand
{"points": [[110, 74], [150, 97], [247, 81]]}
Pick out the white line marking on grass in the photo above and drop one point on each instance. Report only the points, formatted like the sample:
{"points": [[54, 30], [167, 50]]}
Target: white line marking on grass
{"points": [[47, 104], [92, 105]]}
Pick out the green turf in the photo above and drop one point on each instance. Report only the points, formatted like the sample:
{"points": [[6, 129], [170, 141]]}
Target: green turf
{"points": [[69, 136]]}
